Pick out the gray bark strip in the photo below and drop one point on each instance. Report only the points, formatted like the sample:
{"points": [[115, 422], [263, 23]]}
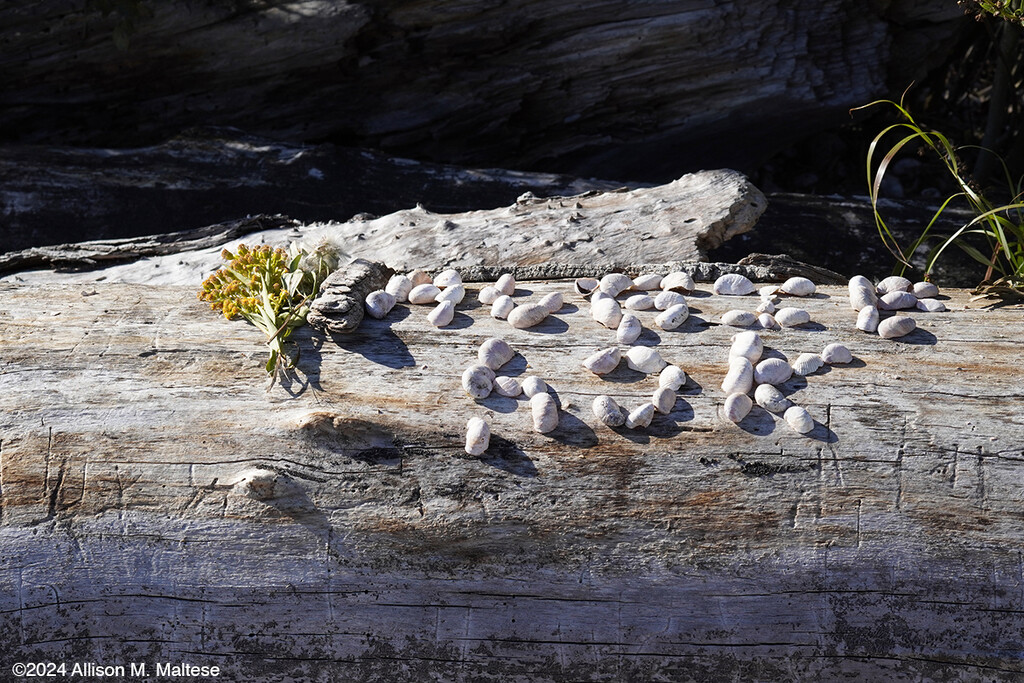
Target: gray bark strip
{"points": [[880, 546], [101, 253]]}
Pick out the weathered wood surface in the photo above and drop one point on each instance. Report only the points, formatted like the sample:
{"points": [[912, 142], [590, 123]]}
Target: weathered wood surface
{"points": [[644, 88], [885, 545], [680, 220]]}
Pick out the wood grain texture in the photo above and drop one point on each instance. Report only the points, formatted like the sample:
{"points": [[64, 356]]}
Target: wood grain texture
{"points": [[882, 546], [647, 89]]}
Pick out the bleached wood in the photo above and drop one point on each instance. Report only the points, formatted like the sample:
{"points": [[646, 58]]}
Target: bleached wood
{"points": [[680, 220], [883, 545]]}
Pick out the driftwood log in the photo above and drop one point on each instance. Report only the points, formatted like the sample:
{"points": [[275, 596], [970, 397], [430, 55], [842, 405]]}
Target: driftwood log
{"points": [[159, 506], [646, 89], [680, 220]]}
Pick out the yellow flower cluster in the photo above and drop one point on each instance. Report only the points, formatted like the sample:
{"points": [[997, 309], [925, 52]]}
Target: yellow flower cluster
{"points": [[236, 289]]}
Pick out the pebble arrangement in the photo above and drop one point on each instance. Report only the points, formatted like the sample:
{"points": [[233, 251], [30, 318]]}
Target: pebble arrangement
{"points": [[615, 301]]}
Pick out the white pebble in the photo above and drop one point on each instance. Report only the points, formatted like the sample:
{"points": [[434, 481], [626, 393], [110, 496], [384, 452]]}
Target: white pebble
{"points": [[526, 316], [645, 359], [740, 377], [502, 306], [672, 377], [894, 283], [799, 419], [896, 301], [488, 295], [791, 317], [447, 278], [672, 317], [862, 293], [836, 354], [647, 282], [494, 353], [604, 361], [607, 312], [746, 345], [418, 277], [506, 284], [771, 399], [478, 380], [552, 301], [629, 329], [639, 302], [678, 281], [767, 321], [442, 314], [508, 386], [733, 284], [614, 284], [608, 411], [867, 319], [738, 318], [667, 299], [798, 286], [533, 386], [737, 406], [478, 436], [772, 371], [454, 293], [424, 294], [544, 413], [806, 363], [664, 399], [925, 290], [897, 326], [640, 417], [399, 287], [930, 305], [379, 303]]}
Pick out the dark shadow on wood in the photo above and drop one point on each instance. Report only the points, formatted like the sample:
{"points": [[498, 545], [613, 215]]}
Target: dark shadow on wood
{"points": [[639, 436], [682, 411], [648, 337], [515, 367], [822, 433], [758, 422], [507, 456], [793, 385], [460, 321], [550, 325], [499, 403], [918, 337], [772, 353], [374, 340], [808, 327], [573, 431], [622, 374], [691, 388]]}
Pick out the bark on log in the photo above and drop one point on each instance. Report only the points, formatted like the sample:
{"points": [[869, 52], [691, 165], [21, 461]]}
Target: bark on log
{"points": [[647, 89], [881, 546], [50, 195], [681, 220]]}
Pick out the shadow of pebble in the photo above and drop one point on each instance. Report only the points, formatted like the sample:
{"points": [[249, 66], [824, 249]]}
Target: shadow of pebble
{"points": [[499, 403], [507, 456], [550, 325], [459, 322], [572, 431], [758, 422], [918, 337]]}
